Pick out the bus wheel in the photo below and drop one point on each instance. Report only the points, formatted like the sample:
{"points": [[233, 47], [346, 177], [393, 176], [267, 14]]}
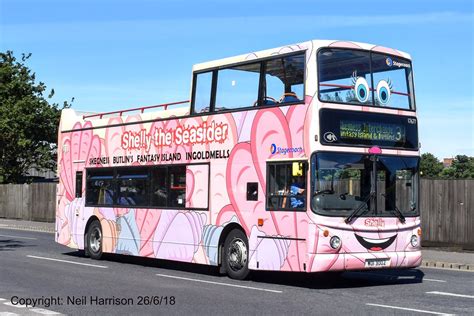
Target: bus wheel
{"points": [[94, 240], [236, 255]]}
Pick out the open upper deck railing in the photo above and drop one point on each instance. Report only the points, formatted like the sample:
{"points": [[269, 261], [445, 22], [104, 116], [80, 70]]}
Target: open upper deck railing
{"points": [[141, 109]]}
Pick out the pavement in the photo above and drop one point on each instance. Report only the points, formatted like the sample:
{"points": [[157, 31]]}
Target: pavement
{"points": [[433, 257]]}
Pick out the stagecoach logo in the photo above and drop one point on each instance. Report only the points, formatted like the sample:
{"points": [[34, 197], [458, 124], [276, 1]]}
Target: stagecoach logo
{"points": [[274, 149], [330, 137], [395, 63]]}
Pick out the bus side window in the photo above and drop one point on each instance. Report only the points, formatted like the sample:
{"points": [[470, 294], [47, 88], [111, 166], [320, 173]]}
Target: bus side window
{"points": [[237, 87], [286, 186], [159, 195], [284, 80], [78, 184], [100, 186], [252, 191], [177, 186], [202, 92]]}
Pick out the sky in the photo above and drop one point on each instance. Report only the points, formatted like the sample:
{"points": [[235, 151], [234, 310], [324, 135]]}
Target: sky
{"points": [[112, 55]]}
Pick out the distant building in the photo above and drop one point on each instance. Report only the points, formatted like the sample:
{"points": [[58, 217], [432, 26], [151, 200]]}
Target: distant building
{"points": [[447, 162], [36, 175]]}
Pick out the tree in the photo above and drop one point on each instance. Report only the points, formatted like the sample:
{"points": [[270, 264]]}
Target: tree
{"points": [[461, 168], [430, 166], [28, 122]]}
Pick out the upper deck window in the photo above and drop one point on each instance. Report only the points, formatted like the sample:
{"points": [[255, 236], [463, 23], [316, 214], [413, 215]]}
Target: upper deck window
{"points": [[365, 78], [237, 87], [284, 80], [202, 94], [274, 81]]}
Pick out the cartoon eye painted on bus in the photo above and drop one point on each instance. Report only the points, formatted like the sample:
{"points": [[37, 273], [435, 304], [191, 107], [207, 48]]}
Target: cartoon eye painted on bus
{"points": [[384, 89], [361, 88]]}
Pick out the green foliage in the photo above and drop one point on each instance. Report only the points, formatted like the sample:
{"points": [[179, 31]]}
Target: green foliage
{"points": [[430, 166], [28, 122], [461, 168]]}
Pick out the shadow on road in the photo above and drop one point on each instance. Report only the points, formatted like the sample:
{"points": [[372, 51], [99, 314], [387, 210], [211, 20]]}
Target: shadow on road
{"points": [[11, 244], [327, 280], [331, 280]]}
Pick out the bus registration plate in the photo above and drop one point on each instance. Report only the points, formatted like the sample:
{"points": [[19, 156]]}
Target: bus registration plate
{"points": [[377, 263]]}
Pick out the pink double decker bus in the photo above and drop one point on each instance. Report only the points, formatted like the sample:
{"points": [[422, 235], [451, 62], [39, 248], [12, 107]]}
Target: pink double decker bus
{"points": [[300, 158]]}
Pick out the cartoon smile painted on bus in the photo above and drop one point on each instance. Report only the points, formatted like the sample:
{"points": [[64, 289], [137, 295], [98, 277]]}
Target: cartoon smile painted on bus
{"points": [[375, 244], [236, 181]]}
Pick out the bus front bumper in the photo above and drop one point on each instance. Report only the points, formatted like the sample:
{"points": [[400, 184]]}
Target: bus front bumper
{"points": [[363, 261]]}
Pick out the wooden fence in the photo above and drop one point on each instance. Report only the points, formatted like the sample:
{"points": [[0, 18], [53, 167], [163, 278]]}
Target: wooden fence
{"points": [[447, 208], [33, 202], [447, 212]]}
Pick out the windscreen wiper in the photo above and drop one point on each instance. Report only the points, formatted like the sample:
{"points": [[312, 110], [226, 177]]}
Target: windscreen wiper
{"points": [[399, 214], [396, 212], [359, 208]]}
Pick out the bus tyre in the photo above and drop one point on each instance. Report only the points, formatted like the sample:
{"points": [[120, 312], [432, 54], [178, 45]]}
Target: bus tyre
{"points": [[94, 240], [236, 255]]}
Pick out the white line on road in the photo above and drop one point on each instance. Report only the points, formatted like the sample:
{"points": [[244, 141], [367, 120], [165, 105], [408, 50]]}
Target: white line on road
{"points": [[67, 261], [17, 305], [20, 237], [8, 314], [450, 294], [408, 309], [2, 299], [219, 283], [434, 280], [43, 311]]}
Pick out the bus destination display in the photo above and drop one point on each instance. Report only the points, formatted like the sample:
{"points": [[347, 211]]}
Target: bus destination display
{"points": [[351, 128], [372, 131]]}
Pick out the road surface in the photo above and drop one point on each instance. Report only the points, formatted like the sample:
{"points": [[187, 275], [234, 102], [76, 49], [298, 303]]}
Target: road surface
{"points": [[40, 277]]}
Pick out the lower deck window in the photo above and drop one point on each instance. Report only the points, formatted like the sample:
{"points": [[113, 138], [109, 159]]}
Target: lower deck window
{"points": [[147, 186], [100, 187], [132, 186], [286, 185]]}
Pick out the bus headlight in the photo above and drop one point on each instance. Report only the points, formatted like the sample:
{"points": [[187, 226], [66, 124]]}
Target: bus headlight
{"points": [[335, 242], [414, 240]]}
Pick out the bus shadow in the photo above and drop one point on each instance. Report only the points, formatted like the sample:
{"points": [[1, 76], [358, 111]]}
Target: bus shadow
{"points": [[320, 280], [334, 280], [12, 244]]}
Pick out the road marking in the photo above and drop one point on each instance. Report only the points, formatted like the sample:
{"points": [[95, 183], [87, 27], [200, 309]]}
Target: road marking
{"points": [[408, 309], [220, 283], [450, 294], [20, 237], [67, 261], [8, 314], [17, 305], [434, 280], [43, 311], [2, 299]]}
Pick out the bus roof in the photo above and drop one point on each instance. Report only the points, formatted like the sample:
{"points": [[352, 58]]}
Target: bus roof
{"points": [[313, 45]]}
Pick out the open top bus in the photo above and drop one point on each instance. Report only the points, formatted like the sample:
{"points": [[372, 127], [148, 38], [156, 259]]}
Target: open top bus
{"points": [[299, 158]]}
